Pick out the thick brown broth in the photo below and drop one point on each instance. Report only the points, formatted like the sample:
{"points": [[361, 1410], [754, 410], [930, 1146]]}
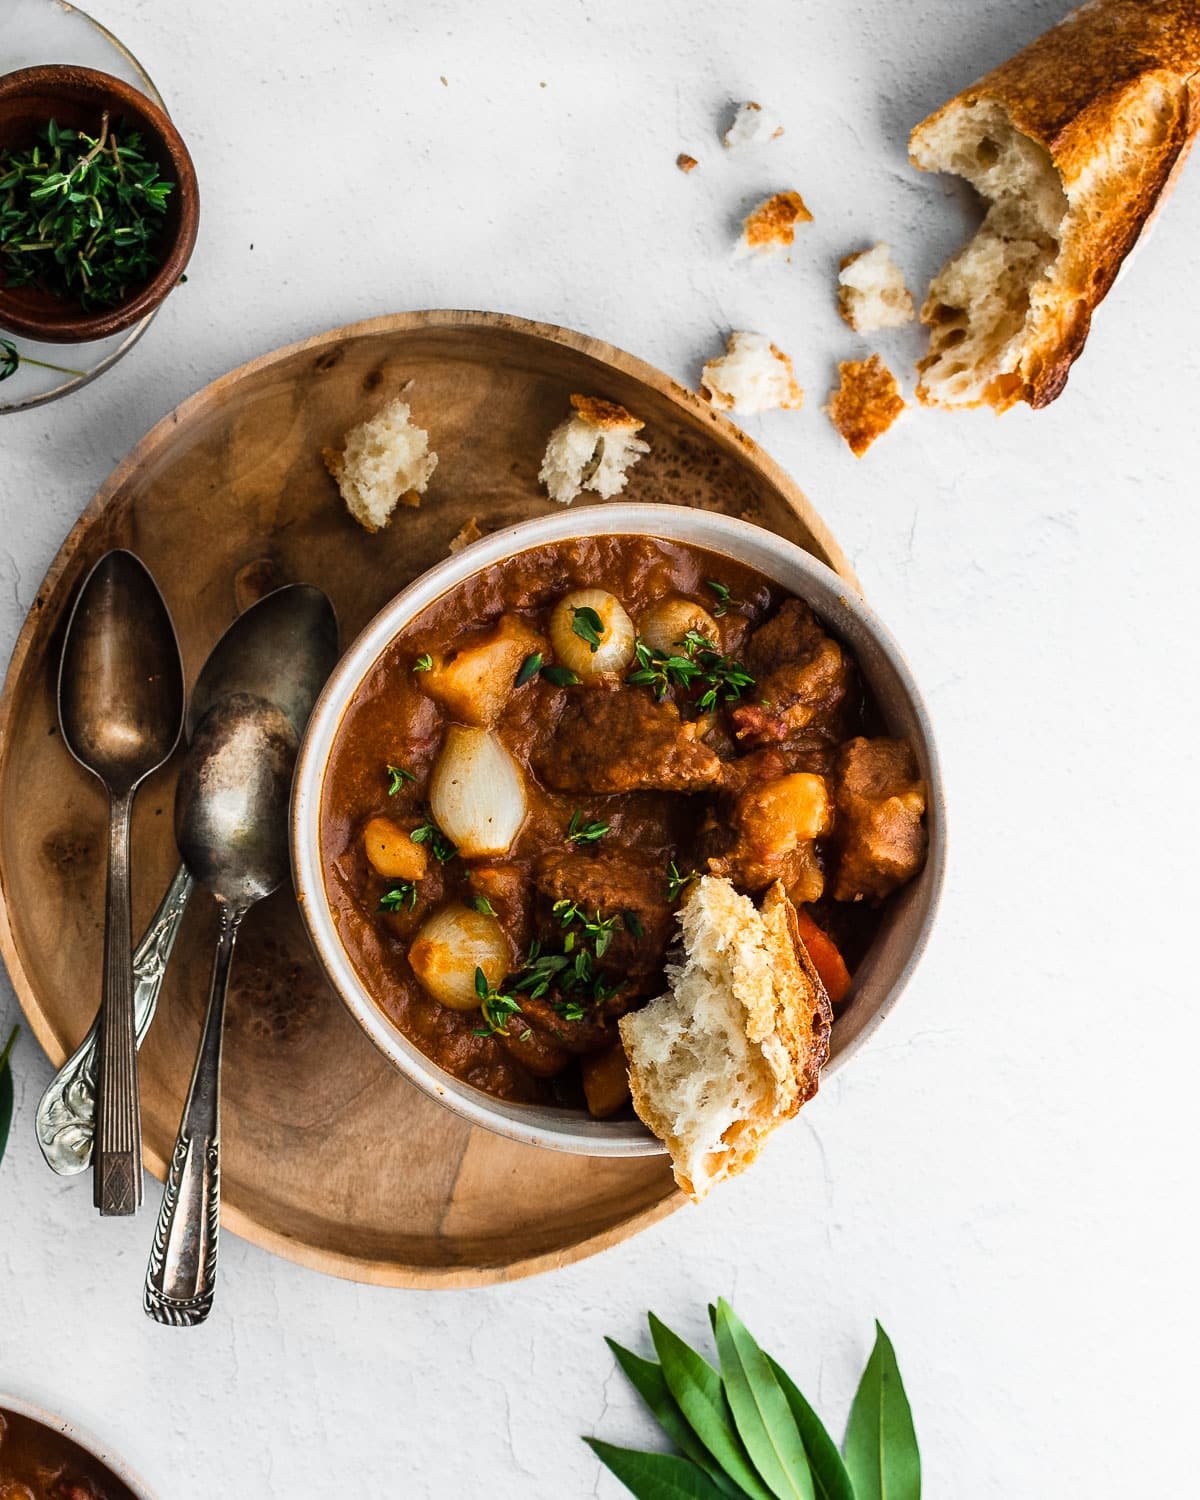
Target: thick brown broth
{"points": [[393, 721]]}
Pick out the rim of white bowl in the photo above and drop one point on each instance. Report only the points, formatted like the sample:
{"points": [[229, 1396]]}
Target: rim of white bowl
{"points": [[84, 1439], [835, 600]]}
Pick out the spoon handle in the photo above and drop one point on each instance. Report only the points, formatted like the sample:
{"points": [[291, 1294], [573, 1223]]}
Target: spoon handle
{"points": [[117, 1168], [181, 1276], [66, 1114]]}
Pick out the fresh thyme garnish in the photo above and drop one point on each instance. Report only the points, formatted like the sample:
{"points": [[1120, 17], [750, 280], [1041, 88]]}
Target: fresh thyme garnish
{"points": [[560, 676], [481, 904], [579, 832], [678, 880], [11, 360], [495, 1006], [700, 662], [403, 893], [439, 845], [397, 776], [588, 626], [423, 663], [725, 600], [633, 924], [530, 667], [81, 216], [598, 928]]}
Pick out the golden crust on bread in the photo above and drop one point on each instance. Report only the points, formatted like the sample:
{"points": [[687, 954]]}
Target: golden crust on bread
{"points": [[605, 414], [1108, 101], [866, 403], [804, 1011], [737, 1044], [772, 225]]}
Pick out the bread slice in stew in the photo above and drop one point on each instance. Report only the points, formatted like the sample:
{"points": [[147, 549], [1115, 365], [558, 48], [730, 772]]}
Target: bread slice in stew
{"points": [[736, 1044]]}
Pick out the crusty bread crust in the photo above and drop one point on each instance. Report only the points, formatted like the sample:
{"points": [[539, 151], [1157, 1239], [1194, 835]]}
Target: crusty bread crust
{"points": [[607, 415], [866, 402], [1074, 92]]}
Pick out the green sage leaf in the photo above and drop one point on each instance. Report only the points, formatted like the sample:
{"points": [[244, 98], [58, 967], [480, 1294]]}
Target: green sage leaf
{"points": [[697, 1388], [648, 1381], [6, 1091], [830, 1480], [655, 1476], [761, 1411], [882, 1457]]}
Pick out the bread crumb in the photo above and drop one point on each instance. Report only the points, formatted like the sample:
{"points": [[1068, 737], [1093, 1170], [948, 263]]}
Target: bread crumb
{"points": [[591, 450], [752, 375], [752, 125], [770, 229], [686, 163], [871, 291], [385, 461], [467, 533], [866, 403]]}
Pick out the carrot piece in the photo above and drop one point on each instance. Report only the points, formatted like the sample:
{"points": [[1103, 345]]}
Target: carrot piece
{"points": [[827, 959]]}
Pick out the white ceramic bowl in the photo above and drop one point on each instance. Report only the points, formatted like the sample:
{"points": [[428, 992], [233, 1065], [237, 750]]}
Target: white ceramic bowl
{"points": [[881, 976]]}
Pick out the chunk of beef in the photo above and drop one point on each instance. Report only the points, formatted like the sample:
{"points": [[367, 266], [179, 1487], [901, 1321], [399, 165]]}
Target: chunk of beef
{"points": [[803, 681], [880, 802], [593, 1033], [615, 882], [770, 835], [622, 740]]}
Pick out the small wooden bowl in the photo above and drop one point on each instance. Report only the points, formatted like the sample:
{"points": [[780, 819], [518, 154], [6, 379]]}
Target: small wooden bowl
{"points": [[76, 98]]}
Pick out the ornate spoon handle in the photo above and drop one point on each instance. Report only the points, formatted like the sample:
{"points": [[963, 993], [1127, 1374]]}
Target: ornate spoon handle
{"points": [[181, 1276], [66, 1113]]}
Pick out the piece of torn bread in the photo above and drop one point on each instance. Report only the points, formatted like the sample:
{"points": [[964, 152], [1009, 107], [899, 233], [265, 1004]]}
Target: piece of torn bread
{"points": [[866, 402], [769, 230], [385, 461], [752, 125], [871, 291], [737, 1044], [1073, 143], [593, 449], [752, 375]]}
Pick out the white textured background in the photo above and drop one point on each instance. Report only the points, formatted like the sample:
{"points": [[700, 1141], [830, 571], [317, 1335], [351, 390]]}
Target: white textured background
{"points": [[1004, 1177]]}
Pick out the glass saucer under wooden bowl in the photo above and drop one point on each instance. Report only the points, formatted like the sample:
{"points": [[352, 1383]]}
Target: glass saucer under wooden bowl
{"points": [[53, 31], [329, 1157]]}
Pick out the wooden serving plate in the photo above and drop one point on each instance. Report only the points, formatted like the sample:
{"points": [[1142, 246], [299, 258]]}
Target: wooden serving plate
{"points": [[329, 1158]]}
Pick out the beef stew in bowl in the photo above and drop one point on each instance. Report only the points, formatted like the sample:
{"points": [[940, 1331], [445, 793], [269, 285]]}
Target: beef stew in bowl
{"points": [[519, 787]]}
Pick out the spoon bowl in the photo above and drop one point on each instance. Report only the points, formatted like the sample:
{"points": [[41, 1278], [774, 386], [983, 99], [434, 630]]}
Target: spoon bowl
{"points": [[231, 800], [120, 684]]}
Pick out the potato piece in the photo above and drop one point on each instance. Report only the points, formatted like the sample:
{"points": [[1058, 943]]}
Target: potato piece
{"points": [[392, 853], [605, 1081], [769, 828], [474, 683], [611, 652]]}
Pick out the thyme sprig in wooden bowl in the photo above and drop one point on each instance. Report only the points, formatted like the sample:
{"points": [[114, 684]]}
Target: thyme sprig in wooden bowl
{"points": [[98, 204]]}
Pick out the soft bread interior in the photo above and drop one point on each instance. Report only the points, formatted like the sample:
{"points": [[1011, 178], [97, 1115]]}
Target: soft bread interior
{"points": [[980, 304]]}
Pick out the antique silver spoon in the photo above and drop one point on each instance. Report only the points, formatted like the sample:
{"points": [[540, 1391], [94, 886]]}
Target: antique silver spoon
{"points": [[120, 709], [282, 648], [231, 823]]}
